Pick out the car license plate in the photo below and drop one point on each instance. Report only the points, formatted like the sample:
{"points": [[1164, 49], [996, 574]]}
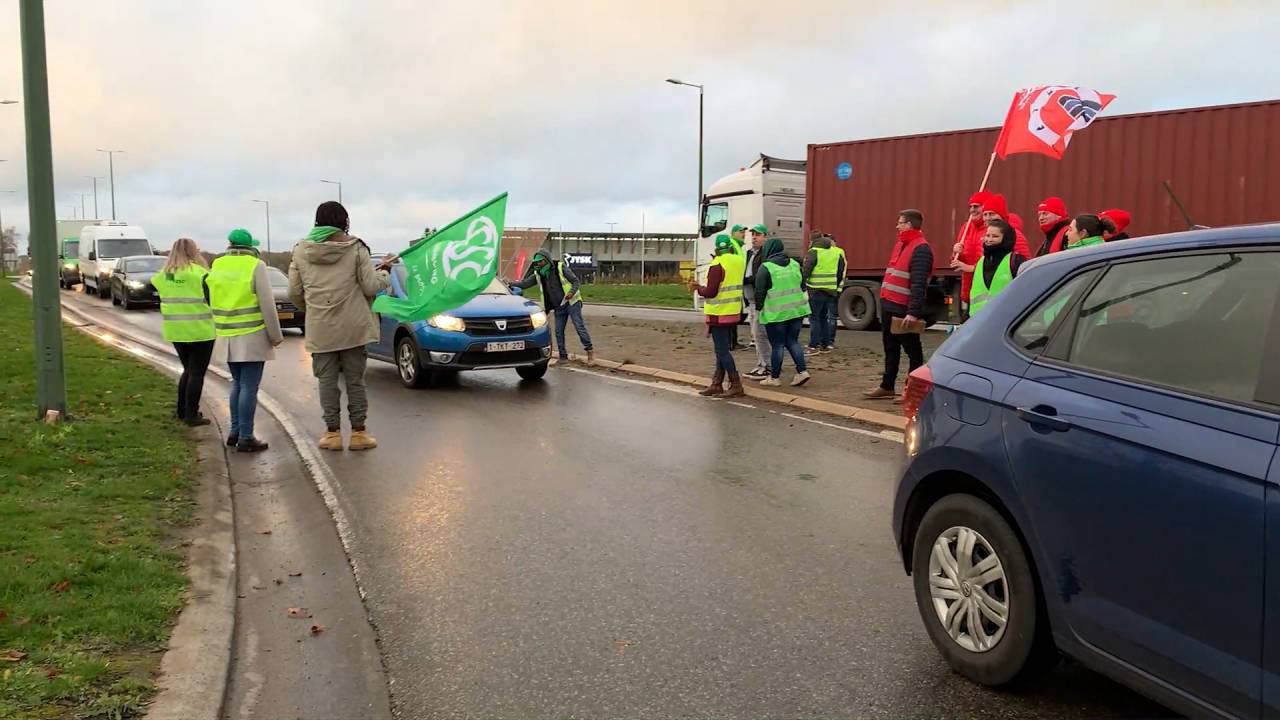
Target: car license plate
{"points": [[504, 346], [286, 316]]}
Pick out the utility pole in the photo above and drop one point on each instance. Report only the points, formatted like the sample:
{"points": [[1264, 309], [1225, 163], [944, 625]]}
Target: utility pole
{"points": [[267, 203], [643, 242], [611, 225], [51, 381], [95, 179], [111, 172], [698, 209], [339, 184]]}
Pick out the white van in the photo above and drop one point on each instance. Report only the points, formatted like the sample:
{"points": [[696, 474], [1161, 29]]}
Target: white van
{"points": [[101, 244]]}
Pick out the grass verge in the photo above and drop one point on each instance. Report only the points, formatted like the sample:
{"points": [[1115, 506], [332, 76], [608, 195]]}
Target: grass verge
{"points": [[672, 295], [91, 567]]}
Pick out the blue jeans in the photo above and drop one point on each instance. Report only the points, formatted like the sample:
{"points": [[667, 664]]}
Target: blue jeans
{"points": [[822, 324], [722, 339], [245, 378], [785, 335], [563, 315]]}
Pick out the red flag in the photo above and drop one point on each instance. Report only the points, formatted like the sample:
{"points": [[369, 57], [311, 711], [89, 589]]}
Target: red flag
{"points": [[520, 259], [1042, 119]]}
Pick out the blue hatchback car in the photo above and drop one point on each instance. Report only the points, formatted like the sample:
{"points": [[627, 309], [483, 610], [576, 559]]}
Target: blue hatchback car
{"points": [[1092, 469], [496, 329]]}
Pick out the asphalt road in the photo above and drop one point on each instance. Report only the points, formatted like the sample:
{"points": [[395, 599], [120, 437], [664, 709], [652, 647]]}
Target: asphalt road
{"points": [[597, 546]]}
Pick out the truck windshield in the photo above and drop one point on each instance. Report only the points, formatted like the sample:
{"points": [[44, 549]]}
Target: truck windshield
{"points": [[715, 217], [123, 247], [70, 248]]}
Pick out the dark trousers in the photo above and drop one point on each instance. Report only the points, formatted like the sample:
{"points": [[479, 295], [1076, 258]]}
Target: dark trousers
{"points": [[893, 347], [722, 339], [195, 358], [822, 321], [785, 336]]}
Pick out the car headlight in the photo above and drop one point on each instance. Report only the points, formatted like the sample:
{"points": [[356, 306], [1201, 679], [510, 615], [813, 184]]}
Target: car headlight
{"points": [[447, 323], [69, 266], [136, 285], [538, 318]]}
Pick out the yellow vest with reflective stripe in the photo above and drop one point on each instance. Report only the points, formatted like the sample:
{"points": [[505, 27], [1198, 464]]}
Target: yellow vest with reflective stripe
{"points": [[728, 299], [186, 315], [823, 276], [231, 296], [981, 294], [786, 299], [567, 286]]}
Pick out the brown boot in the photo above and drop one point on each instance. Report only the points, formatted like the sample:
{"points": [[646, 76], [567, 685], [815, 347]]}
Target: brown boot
{"points": [[716, 388], [591, 357], [361, 440], [735, 386]]}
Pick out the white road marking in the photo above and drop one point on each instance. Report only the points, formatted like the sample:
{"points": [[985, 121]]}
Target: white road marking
{"points": [[891, 435], [681, 389], [741, 404]]}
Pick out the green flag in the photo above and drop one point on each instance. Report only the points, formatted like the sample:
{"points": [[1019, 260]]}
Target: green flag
{"points": [[451, 266]]}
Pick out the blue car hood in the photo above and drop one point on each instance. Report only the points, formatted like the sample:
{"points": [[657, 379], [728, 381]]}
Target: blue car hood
{"points": [[483, 306]]}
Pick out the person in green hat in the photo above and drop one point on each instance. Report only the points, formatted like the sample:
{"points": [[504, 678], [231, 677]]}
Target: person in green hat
{"points": [[738, 234], [238, 291], [722, 305]]}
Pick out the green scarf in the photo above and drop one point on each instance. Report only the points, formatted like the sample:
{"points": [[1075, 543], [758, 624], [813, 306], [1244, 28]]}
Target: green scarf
{"points": [[320, 233]]}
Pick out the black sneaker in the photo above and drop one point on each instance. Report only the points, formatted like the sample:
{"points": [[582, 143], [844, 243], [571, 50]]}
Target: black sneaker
{"points": [[198, 421], [233, 440], [250, 445]]}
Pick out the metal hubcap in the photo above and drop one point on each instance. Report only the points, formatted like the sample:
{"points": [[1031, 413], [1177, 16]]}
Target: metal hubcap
{"points": [[969, 589], [408, 368]]}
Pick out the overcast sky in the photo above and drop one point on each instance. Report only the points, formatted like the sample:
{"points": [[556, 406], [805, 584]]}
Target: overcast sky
{"points": [[424, 110]]}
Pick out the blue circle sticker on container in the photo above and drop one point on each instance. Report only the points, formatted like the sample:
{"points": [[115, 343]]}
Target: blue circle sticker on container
{"points": [[844, 171]]}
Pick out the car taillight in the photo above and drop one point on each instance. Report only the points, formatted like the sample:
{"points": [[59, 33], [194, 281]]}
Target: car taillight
{"points": [[919, 383]]}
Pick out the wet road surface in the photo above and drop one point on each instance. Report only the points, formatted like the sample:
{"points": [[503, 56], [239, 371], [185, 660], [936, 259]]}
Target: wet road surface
{"points": [[597, 546]]}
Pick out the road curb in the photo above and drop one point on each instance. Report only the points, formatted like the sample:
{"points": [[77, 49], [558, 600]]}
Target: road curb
{"points": [[196, 666], [645, 307], [863, 415]]}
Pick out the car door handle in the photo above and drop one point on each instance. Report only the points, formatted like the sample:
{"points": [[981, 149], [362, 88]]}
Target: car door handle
{"points": [[1044, 415]]}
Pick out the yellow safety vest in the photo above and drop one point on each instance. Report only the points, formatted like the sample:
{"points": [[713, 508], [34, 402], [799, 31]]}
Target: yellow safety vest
{"points": [[186, 315], [824, 272], [728, 299], [232, 298], [567, 286]]}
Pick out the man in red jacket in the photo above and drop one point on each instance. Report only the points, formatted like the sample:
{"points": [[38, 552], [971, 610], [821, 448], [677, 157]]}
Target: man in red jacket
{"points": [[968, 247], [902, 297], [1054, 219]]}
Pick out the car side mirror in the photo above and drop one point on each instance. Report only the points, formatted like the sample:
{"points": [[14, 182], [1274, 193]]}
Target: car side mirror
{"points": [[93, 255], [517, 291]]}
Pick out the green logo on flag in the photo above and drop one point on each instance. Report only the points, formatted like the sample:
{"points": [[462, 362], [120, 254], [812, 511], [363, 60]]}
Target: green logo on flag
{"points": [[450, 267]]}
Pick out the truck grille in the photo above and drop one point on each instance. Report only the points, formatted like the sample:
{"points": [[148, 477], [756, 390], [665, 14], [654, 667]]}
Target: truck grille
{"points": [[488, 327]]}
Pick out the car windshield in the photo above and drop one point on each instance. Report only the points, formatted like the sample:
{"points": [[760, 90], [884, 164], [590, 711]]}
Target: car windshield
{"points": [[146, 264], [123, 247], [278, 278]]}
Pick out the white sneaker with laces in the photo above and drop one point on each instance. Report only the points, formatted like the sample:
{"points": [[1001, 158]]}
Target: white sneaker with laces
{"points": [[800, 379], [771, 382]]}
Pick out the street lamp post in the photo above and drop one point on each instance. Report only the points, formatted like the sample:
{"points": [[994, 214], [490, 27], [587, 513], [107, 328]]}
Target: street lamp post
{"points": [[339, 184], [111, 171], [698, 212], [83, 216], [267, 204], [51, 379], [95, 179], [611, 225]]}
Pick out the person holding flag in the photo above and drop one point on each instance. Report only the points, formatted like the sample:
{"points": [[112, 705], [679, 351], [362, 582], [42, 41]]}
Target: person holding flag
{"points": [[332, 279], [560, 295], [968, 248]]}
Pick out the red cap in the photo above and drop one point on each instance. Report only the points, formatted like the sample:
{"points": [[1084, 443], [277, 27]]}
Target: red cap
{"points": [[997, 205], [1015, 221], [1053, 205], [979, 198], [1121, 218]]}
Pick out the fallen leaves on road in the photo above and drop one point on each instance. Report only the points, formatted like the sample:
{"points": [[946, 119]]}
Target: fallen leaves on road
{"points": [[278, 581], [12, 655], [264, 532], [299, 612], [317, 629], [296, 574], [63, 586]]}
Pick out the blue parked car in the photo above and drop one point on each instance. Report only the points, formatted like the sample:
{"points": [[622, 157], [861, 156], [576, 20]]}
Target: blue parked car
{"points": [[497, 329], [1092, 468]]}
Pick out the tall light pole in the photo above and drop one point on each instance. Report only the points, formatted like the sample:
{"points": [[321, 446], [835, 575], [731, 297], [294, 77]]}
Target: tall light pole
{"points": [[111, 171], [83, 216], [339, 184], [51, 378], [698, 211], [611, 225], [4, 269], [95, 179], [267, 204]]}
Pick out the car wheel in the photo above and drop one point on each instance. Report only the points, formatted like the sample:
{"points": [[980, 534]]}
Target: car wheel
{"points": [[857, 307], [532, 372], [115, 299], [977, 594], [124, 300], [409, 364]]}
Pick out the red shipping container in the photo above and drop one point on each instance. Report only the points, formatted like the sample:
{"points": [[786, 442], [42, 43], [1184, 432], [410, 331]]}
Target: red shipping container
{"points": [[1223, 163]]}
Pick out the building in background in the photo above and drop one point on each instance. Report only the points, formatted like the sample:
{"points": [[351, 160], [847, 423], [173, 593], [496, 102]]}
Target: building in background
{"points": [[607, 256]]}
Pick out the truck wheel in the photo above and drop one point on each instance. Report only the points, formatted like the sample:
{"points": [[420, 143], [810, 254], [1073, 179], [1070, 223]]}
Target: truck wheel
{"points": [[858, 308]]}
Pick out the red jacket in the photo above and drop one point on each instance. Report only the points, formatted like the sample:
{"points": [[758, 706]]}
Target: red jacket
{"points": [[970, 238]]}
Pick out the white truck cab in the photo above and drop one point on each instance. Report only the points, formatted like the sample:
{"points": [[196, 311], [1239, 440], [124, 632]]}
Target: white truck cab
{"points": [[101, 244], [770, 192]]}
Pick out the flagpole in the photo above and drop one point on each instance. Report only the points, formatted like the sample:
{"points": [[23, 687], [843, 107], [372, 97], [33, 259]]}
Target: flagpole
{"points": [[986, 176]]}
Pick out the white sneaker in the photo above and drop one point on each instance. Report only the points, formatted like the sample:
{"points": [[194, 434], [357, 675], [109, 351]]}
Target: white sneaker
{"points": [[800, 379], [771, 382]]}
